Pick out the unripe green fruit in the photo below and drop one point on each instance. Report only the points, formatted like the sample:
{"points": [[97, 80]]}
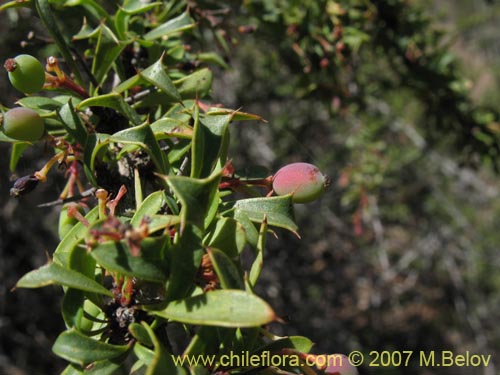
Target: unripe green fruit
{"points": [[23, 124], [26, 73], [338, 364], [304, 181]]}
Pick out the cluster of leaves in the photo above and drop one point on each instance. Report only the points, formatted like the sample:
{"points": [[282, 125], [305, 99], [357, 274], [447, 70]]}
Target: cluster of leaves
{"points": [[160, 253]]}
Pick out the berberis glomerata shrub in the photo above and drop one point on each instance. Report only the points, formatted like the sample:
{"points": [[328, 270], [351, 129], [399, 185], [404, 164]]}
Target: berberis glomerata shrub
{"points": [[154, 217]]}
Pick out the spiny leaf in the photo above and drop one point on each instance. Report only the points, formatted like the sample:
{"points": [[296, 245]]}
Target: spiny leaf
{"points": [[279, 211]]}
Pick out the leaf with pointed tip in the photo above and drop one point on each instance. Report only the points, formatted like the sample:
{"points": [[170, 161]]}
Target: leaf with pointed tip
{"points": [[149, 206], [73, 238], [184, 260], [151, 265], [235, 115], [107, 50], [228, 235], [226, 270], [143, 136], [258, 262], [279, 211], [169, 127], [224, 308], [54, 273], [174, 25], [140, 334], [72, 123], [157, 76], [138, 6], [196, 85], [209, 146], [39, 103], [299, 343], [212, 58], [114, 101], [77, 348], [199, 198], [95, 144]]}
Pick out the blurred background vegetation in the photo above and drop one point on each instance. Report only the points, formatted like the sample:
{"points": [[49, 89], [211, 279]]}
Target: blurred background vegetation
{"points": [[396, 100]]}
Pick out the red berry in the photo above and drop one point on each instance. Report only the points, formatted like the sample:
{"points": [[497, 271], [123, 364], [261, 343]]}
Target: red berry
{"points": [[304, 181]]}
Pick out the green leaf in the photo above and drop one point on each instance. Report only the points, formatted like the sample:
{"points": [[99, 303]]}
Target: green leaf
{"points": [[108, 367], [174, 25], [196, 85], [97, 11], [53, 273], [94, 145], [159, 222], [212, 58], [169, 127], [278, 210], [140, 334], [14, 4], [149, 206], [143, 136], [224, 308], [208, 143], [16, 153], [205, 341], [199, 198], [184, 260], [77, 348], [72, 307], [151, 265], [138, 6], [227, 272], [72, 370], [157, 76], [114, 101], [107, 50], [299, 343], [162, 362], [258, 263], [144, 354], [73, 238], [228, 235], [39, 103], [72, 123], [4, 138], [235, 115]]}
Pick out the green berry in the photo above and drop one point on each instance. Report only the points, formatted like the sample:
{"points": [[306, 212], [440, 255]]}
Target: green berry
{"points": [[23, 124], [26, 73], [304, 181]]}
